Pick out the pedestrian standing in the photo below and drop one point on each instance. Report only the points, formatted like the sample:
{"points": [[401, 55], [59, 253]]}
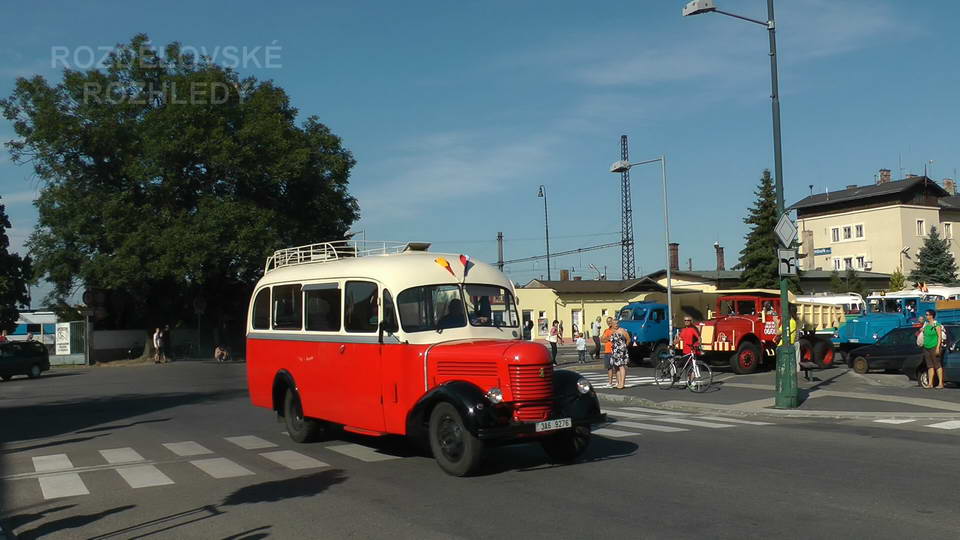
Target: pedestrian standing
{"points": [[581, 349], [595, 333], [552, 338], [157, 351], [608, 350], [931, 338], [619, 339]]}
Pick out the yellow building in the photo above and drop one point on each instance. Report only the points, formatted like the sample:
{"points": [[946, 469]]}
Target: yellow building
{"points": [[576, 303], [877, 228]]}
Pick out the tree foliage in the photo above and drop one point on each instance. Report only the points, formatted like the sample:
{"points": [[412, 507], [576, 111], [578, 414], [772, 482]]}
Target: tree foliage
{"points": [[168, 178], [897, 281], [836, 283], [15, 274], [758, 258], [853, 283], [935, 263]]}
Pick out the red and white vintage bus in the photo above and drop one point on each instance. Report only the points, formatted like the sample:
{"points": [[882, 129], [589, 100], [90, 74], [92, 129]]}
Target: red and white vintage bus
{"points": [[387, 338]]}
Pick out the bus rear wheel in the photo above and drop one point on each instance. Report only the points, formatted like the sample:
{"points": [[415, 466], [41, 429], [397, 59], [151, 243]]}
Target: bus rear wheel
{"points": [[302, 429]]}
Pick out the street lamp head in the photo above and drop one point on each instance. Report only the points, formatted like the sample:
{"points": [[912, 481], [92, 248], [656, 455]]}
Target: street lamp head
{"points": [[620, 166], [540, 193], [696, 7]]}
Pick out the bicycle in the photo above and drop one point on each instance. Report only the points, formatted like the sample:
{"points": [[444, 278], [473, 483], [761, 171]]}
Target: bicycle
{"points": [[697, 373]]}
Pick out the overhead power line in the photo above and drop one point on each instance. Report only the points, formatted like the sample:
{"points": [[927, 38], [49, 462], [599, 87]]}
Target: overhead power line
{"points": [[562, 253]]}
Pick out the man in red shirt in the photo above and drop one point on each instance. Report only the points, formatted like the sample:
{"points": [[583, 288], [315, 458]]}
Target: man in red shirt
{"points": [[689, 336]]}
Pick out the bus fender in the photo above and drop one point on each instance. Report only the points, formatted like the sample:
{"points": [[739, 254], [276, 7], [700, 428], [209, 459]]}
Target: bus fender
{"points": [[569, 402], [469, 400], [281, 381]]}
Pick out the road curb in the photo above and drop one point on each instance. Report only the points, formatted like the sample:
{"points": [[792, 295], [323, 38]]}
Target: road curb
{"points": [[732, 410]]}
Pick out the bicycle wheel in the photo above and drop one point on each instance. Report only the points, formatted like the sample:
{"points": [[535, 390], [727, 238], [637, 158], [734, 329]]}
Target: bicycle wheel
{"points": [[663, 374], [699, 377]]}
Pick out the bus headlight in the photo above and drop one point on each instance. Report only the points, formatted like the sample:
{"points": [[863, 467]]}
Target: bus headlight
{"points": [[495, 395], [584, 386]]}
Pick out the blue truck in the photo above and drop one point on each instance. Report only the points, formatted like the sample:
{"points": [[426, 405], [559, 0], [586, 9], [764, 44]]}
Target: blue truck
{"points": [[886, 312], [648, 327]]}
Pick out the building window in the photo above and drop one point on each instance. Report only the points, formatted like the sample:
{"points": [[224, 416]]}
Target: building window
{"points": [[921, 230], [861, 262], [835, 234], [847, 263], [948, 230], [847, 233], [858, 231], [836, 264]]}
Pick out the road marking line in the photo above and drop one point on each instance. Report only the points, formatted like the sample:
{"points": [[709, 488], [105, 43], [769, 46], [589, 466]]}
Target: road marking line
{"points": [[607, 432], [121, 455], [689, 422], [62, 485], [651, 427], [187, 448], [249, 442], [141, 476], [627, 414], [895, 420], [656, 411], [363, 453], [293, 460], [221, 467], [53, 462], [735, 420], [950, 424]]}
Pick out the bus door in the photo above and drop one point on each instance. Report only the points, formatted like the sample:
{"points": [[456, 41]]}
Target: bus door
{"points": [[396, 371], [358, 366]]}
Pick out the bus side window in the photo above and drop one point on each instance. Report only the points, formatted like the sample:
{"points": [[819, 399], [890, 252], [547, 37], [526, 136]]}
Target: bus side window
{"points": [[261, 310], [360, 307], [322, 301], [389, 313], [287, 307]]}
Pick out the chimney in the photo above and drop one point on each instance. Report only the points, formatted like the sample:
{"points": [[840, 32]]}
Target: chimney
{"points": [[806, 243], [690, 264], [564, 275], [884, 176], [720, 263], [674, 256], [950, 185]]}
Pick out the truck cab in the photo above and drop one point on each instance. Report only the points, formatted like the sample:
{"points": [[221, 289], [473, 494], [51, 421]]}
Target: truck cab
{"points": [[648, 327]]}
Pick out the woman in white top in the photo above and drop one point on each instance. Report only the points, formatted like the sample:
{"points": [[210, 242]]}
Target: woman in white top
{"points": [[552, 337]]}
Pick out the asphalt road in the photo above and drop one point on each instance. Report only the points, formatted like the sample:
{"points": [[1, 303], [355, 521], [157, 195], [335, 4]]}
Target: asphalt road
{"points": [[176, 451]]}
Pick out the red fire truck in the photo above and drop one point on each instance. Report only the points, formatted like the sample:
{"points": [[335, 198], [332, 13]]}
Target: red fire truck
{"points": [[744, 328], [379, 338]]}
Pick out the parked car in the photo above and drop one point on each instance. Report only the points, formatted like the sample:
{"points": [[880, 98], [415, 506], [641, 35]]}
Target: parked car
{"points": [[28, 358], [898, 351]]}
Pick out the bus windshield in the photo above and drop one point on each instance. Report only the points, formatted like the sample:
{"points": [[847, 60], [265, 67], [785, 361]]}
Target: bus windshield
{"points": [[438, 307]]}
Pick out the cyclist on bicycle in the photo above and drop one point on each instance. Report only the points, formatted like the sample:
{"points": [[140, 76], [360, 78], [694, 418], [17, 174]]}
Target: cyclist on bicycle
{"points": [[689, 337]]}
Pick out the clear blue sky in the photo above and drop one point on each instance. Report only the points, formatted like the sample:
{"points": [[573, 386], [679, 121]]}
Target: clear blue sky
{"points": [[457, 111]]}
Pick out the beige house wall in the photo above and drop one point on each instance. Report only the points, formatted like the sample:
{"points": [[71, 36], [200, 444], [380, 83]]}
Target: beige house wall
{"points": [[886, 231]]}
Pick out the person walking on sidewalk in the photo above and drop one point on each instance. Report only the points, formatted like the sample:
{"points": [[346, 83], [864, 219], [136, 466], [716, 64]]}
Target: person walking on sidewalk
{"points": [[608, 350], [932, 339], [552, 338], [581, 349], [619, 339], [595, 330]]}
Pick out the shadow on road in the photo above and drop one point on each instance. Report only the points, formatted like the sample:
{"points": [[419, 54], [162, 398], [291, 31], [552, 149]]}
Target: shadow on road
{"points": [[58, 418], [71, 522], [530, 457], [121, 426], [279, 490], [49, 444]]}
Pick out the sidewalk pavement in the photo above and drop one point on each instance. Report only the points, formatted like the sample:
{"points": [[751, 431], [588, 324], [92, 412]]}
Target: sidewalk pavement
{"points": [[838, 392]]}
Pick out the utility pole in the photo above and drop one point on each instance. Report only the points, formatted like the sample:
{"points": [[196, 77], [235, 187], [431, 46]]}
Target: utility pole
{"points": [[500, 251], [627, 265]]}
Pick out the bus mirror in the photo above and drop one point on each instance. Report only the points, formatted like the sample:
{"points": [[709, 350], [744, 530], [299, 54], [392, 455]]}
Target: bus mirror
{"points": [[380, 328]]}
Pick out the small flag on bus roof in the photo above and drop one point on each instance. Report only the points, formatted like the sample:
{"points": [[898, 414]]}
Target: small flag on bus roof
{"points": [[446, 264], [467, 265]]}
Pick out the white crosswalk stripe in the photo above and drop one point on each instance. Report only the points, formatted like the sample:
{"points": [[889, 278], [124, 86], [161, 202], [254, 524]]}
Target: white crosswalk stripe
{"points": [[250, 442], [62, 485], [600, 380], [734, 421], [895, 420], [622, 422], [187, 448], [121, 455], [656, 411], [950, 424], [141, 476], [53, 462], [363, 453], [650, 427], [221, 467], [607, 432], [293, 460]]}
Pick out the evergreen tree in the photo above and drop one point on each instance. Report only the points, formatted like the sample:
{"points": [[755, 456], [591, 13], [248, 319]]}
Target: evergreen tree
{"points": [[897, 281], [758, 258], [935, 263], [853, 283], [836, 283], [14, 277]]}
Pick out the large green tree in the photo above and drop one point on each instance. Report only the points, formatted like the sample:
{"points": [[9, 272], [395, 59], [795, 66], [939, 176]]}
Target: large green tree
{"points": [[897, 281], [758, 258], [935, 263], [167, 179], [14, 278]]}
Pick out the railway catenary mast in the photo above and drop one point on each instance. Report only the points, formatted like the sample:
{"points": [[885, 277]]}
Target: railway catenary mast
{"points": [[627, 265]]}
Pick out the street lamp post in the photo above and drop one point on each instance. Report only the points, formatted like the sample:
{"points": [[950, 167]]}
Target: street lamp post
{"points": [[787, 396], [621, 166], [546, 225]]}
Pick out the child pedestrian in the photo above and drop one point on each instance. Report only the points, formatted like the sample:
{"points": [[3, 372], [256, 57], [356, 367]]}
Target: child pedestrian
{"points": [[581, 349]]}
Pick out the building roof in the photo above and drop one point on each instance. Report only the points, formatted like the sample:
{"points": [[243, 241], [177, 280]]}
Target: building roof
{"points": [[608, 286], [864, 192], [711, 275], [952, 202]]}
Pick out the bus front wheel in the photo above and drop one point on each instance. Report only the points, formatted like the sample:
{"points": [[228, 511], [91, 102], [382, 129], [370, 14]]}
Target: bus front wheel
{"points": [[301, 428], [456, 450]]}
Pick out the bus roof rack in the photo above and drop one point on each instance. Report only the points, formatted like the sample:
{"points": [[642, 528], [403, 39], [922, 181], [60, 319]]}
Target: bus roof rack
{"points": [[338, 249]]}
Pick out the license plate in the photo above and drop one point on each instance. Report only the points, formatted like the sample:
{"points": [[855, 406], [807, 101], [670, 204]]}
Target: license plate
{"points": [[550, 425]]}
